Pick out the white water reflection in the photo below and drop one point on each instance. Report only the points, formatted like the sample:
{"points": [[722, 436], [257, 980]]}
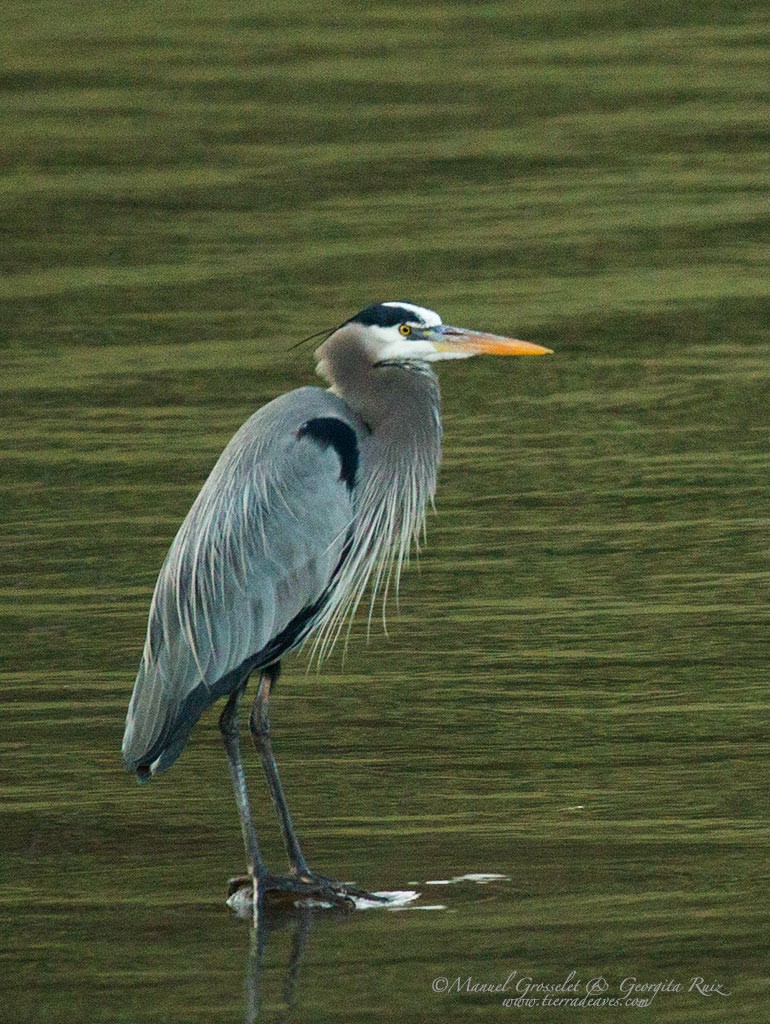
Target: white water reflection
{"points": [[480, 878]]}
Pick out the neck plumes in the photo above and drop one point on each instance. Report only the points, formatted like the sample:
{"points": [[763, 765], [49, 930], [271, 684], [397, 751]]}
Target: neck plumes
{"points": [[400, 404]]}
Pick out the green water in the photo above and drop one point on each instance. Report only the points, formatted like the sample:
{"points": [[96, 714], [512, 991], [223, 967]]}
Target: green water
{"points": [[573, 693]]}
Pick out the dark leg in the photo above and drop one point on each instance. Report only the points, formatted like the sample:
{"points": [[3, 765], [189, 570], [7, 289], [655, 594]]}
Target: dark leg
{"points": [[306, 880], [259, 723], [228, 724], [259, 882]]}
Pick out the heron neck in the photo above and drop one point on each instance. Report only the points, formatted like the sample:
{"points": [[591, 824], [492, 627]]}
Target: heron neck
{"points": [[404, 448], [400, 458], [400, 405], [387, 395]]}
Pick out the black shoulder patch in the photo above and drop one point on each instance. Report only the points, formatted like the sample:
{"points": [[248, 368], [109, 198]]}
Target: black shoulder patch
{"points": [[328, 430], [381, 315]]}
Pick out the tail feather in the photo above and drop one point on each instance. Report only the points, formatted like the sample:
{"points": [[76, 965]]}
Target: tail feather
{"points": [[158, 727]]}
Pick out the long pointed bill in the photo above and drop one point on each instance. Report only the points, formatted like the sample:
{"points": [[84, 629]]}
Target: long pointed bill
{"points": [[459, 342]]}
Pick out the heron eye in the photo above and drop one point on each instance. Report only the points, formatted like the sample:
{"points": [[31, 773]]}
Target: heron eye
{"points": [[405, 329]]}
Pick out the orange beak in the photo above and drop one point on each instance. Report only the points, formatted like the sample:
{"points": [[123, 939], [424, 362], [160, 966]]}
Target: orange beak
{"points": [[460, 342]]}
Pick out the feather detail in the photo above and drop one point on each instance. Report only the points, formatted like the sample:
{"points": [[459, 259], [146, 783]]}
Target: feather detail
{"points": [[400, 463]]}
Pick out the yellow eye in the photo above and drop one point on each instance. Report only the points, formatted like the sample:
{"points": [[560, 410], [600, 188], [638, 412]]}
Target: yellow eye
{"points": [[405, 329]]}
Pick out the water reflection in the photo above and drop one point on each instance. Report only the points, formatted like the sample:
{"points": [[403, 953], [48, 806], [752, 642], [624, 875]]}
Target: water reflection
{"points": [[299, 919], [277, 915]]}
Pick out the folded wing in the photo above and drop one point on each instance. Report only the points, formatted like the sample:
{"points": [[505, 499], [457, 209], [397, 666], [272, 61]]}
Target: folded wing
{"points": [[250, 570]]}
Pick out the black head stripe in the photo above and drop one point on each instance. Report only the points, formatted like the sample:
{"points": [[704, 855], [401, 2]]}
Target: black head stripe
{"points": [[386, 316]]}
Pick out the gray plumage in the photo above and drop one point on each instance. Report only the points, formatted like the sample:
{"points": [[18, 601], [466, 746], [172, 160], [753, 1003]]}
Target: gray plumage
{"points": [[318, 496], [264, 541], [258, 547]]}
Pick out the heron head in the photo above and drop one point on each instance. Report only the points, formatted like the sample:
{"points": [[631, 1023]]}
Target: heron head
{"points": [[400, 332]]}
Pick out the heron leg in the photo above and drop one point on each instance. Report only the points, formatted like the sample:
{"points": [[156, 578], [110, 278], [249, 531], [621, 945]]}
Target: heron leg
{"points": [[259, 723], [228, 724], [303, 881]]}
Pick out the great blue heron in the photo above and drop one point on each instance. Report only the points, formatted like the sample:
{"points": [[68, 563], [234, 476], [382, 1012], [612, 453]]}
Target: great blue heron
{"points": [[318, 493]]}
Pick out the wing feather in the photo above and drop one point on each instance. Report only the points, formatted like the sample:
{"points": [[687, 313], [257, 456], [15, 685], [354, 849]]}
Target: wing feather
{"points": [[258, 547]]}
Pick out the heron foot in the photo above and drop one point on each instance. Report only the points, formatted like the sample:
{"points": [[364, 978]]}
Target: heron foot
{"points": [[306, 886], [342, 888]]}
